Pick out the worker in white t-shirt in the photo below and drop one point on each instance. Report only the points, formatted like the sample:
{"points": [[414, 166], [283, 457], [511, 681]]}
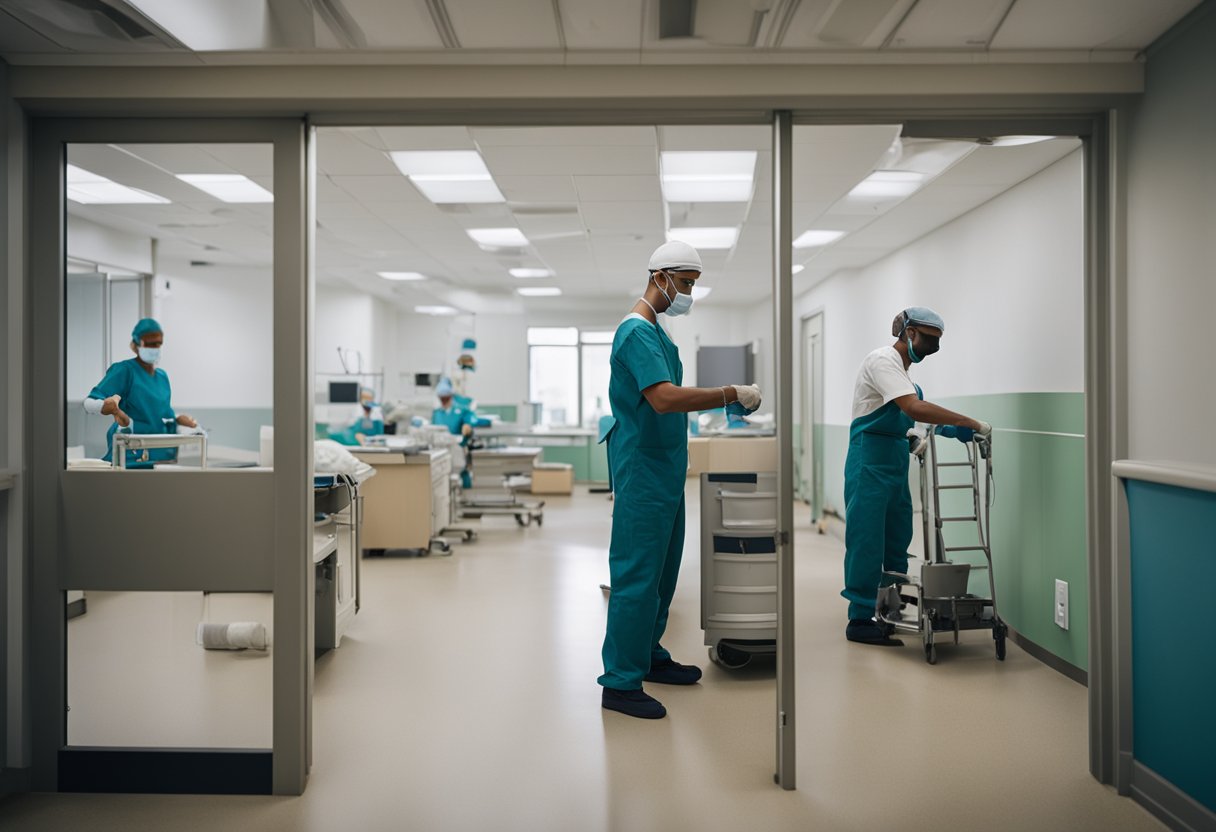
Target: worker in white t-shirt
{"points": [[878, 505]]}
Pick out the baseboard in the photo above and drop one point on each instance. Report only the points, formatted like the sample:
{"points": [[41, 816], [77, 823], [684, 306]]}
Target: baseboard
{"points": [[14, 781], [1050, 659], [165, 770], [1169, 804]]}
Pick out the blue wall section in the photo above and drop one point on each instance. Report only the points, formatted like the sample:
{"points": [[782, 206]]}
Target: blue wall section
{"points": [[1173, 552]]}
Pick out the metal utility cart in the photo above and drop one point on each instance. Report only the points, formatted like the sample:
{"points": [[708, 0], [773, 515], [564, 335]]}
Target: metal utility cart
{"points": [[499, 475], [940, 593], [739, 566]]}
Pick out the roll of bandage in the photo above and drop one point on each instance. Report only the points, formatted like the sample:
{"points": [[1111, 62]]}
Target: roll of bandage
{"points": [[239, 635]]}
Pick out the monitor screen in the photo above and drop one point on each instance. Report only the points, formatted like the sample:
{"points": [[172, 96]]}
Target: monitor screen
{"points": [[425, 379], [343, 392]]}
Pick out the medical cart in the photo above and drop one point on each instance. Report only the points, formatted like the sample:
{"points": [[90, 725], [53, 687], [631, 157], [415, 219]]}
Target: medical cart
{"points": [[956, 495], [499, 475], [336, 525], [739, 566]]}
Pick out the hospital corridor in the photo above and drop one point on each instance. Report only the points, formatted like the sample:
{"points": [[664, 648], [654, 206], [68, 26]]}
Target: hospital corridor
{"points": [[671, 415]]}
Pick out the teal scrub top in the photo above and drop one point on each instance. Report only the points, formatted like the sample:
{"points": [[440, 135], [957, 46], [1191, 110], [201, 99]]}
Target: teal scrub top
{"points": [[145, 398], [645, 447], [454, 418]]}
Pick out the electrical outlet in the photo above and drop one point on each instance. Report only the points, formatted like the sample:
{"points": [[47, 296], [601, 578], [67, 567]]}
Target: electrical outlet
{"points": [[1061, 605]]}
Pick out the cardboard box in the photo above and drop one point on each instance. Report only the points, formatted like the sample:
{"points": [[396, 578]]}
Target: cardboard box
{"points": [[553, 478], [732, 455]]}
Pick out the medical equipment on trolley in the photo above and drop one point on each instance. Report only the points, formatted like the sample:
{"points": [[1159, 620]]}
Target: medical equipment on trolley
{"points": [[499, 476], [145, 442], [739, 566], [940, 593]]}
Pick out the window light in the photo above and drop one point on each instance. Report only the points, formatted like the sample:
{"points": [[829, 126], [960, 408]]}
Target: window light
{"points": [[436, 310], [797, 267], [539, 291], [705, 238], [817, 237], [701, 292], [707, 176], [402, 275], [228, 187], [529, 273], [448, 176], [497, 237], [91, 189], [604, 337], [552, 336]]}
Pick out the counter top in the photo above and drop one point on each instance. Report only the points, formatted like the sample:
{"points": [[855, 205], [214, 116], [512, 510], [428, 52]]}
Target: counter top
{"points": [[1167, 472], [373, 455], [539, 433]]}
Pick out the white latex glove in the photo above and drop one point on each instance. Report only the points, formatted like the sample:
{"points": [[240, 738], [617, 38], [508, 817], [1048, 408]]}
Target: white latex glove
{"points": [[749, 396], [985, 429], [918, 440]]}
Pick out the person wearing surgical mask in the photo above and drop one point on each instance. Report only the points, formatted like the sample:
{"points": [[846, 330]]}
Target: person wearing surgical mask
{"points": [[878, 504], [647, 438], [136, 393]]}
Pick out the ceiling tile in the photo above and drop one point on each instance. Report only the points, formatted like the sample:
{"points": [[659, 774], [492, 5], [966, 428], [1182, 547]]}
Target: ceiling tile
{"points": [[392, 187], [504, 24], [594, 24], [592, 161], [545, 189]]}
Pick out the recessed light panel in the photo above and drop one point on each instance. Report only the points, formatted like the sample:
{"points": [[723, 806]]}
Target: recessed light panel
{"points": [[539, 291], [411, 276], [497, 237], [817, 237], [530, 273], [91, 189]]}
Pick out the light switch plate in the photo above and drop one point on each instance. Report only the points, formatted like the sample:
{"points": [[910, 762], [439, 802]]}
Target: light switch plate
{"points": [[1061, 605]]}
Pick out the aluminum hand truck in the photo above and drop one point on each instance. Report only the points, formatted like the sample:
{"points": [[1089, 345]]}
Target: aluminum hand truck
{"points": [[940, 593]]}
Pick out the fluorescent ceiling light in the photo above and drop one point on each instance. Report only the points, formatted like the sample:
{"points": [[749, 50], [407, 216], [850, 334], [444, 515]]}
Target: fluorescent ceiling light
{"points": [[447, 191], [797, 268], [706, 238], [817, 237], [888, 184], [1014, 141], [402, 275], [450, 163], [228, 187], [539, 291], [448, 176], [701, 292], [707, 176], [90, 189], [436, 310], [497, 237], [525, 273]]}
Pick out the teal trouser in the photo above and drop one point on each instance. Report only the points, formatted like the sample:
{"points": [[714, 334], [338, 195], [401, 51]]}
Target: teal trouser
{"points": [[878, 517], [644, 563]]}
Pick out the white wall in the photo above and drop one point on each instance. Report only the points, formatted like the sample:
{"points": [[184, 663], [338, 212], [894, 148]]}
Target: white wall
{"points": [[108, 246], [1171, 247], [1007, 279], [218, 351]]}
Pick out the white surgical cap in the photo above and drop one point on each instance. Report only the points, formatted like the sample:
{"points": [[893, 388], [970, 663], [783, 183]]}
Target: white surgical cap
{"points": [[677, 256]]}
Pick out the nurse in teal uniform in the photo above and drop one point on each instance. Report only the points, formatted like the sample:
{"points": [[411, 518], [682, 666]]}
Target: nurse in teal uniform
{"points": [[136, 393], [648, 459], [878, 505]]}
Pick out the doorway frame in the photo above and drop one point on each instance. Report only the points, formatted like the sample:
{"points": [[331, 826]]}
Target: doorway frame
{"points": [[1098, 119]]}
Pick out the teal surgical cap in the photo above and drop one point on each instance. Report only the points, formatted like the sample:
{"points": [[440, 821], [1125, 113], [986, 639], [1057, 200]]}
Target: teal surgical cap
{"points": [[469, 344], [145, 326], [917, 316], [444, 387]]}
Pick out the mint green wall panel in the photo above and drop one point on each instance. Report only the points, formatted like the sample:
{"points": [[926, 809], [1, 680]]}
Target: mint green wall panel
{"points": [[575, 455], [598, 462]]}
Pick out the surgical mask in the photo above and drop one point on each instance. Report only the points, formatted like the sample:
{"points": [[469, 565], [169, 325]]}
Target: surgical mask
{"points": [[149, 355], [929, 345], [680, 304]]}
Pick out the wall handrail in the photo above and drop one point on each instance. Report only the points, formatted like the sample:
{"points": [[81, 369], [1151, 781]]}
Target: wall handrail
{"points": [[1193, 475]]}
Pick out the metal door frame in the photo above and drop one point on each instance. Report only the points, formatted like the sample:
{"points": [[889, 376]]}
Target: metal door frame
{"points": [[276, 506]]}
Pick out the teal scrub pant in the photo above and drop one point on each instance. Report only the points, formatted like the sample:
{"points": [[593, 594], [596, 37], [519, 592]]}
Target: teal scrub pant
{"points": [[644, 564], [878, 517]]}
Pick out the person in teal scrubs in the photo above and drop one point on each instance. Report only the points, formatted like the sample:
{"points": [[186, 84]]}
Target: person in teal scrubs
{"points": [[137, 394], [878, 504], [648, 459], [459, 420], [369, 422]]}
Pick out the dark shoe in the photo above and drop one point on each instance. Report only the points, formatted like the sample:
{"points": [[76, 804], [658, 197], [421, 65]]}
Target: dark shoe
{"points": [[869, 631], [673, 673], [633, 703]]}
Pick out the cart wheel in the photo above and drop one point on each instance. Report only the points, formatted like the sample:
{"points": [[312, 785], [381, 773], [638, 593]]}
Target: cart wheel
{"points": [[728, 657], [523, 519], [931, 653], [999, 635]]}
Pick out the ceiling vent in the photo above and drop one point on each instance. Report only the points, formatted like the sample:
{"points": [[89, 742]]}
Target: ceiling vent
{"points": [[92, 25]]}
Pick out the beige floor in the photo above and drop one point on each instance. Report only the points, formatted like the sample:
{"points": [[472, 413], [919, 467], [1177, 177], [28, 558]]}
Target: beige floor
{"points": [[464, 698]]}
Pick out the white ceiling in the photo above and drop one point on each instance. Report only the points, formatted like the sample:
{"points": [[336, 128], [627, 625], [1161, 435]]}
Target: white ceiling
{"points": [[588, 198], [588, 31]]}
